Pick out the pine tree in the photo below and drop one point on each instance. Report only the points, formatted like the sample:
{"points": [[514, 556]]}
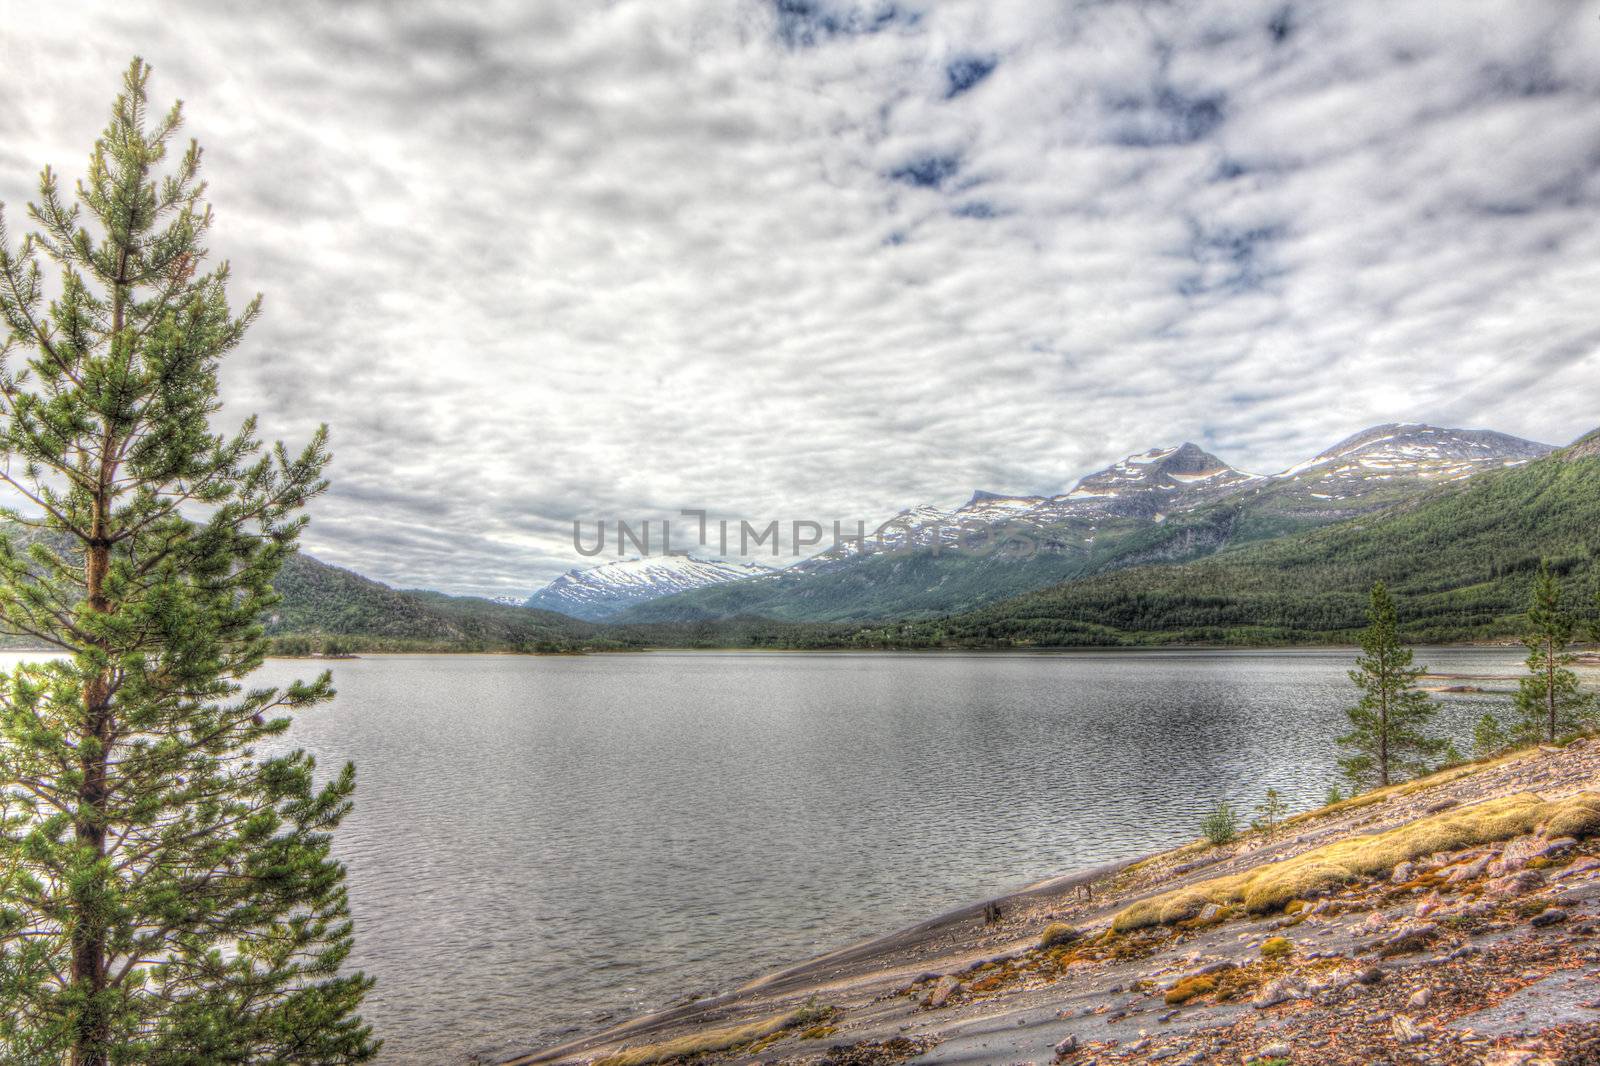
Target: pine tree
{"points": [[1548, 702], [1386, 739], [1270, 813], [166, 895]]}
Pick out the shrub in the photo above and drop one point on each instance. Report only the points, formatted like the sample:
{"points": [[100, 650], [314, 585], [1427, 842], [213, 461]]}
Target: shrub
{"points": [[1221, 825], [1335, 795], [1058, 933], [1189, 988], [812, 1013], [1276, 948]]}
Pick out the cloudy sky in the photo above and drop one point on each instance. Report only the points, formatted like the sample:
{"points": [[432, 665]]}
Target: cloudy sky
{"points": [[828, 258]]}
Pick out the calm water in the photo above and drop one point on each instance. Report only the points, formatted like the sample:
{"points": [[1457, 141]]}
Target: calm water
{"points": [[542, 844]]}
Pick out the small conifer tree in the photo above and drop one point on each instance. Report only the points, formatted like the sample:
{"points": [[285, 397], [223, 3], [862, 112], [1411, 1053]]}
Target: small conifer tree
{"points": [[1270, 813], [167, 895], [1549, 703], [1386, 741]]}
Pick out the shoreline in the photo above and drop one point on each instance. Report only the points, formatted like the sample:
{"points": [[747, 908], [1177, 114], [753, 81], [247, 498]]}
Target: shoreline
{"points": [[966, 987], [866, 957]]}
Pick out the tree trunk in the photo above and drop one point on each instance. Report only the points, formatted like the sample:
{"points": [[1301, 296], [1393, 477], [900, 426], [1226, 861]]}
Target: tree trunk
{"points": [[1383, 721], [91, 1045], [1550, 685], [91, 1042]]}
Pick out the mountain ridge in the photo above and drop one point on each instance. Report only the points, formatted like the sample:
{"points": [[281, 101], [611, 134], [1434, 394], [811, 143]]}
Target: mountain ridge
{"points": [[1161, 505]]}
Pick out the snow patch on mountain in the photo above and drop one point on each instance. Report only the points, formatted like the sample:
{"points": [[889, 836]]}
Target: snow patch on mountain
{"points": [[1415, 449], [598, 592]]}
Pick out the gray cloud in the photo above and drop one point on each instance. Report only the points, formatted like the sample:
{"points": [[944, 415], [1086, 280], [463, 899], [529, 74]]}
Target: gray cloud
{"points": [[797, 258]]}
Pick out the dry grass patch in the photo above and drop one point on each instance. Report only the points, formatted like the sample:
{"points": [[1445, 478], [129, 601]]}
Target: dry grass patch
{"points": [[1577, 816], [1412, 787], [707, 1041], [1319, 871]]}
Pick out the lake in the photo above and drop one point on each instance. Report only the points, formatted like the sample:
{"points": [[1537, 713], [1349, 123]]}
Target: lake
{"points": [[541, 845]]}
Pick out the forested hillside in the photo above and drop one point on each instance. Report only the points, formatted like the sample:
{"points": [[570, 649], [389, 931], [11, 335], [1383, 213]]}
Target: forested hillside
{"points": [[1458, 561], [322, 602]]}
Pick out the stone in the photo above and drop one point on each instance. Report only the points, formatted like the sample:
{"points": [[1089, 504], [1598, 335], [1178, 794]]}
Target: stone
{"points": [[1203, 971], [1548, 916], [1512, 1057], [1584, 865], [1403, 873], [1404, 1030], [1280, 991], [1370, 976], [1520, 852], [1407, 941], [1516, 884], [1470, 871], [1278, 1049], [1067, 1046], [942, 991], [1420, 998]]}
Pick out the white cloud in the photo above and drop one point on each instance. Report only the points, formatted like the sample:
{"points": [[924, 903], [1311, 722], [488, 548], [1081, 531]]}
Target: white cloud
{"points": [[616, 259]]}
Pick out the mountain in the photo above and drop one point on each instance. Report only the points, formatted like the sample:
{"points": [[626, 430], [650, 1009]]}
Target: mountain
{"points": [[1418, 449], [1164, 505], [600, 592], [1169, 544], [1395, 459], [1152, 485], [1459, 558]]}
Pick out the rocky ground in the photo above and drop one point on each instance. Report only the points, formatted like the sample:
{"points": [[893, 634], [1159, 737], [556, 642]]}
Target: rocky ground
{"points": [[1482, 955]]}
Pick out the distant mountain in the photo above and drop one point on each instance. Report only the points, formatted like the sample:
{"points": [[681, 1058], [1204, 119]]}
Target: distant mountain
{"points": [[1147, 486], [1372, 461], [1459, 557], [1415, 448], [320, 602], [600, 592], [1160, 506], [1100, 548]]}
